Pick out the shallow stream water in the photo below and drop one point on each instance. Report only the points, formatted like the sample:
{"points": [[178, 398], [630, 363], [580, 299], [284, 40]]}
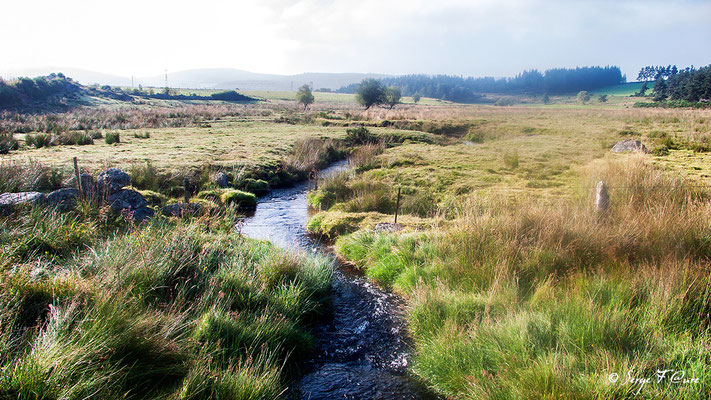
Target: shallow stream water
{"points": [[362, 350]]}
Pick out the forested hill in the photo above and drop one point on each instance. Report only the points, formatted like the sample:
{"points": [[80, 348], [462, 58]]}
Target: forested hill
{"points": [[468, 90]]}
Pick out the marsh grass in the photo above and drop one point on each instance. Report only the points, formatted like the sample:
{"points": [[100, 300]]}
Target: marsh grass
{"points": [[183, 309], [521, 299]]}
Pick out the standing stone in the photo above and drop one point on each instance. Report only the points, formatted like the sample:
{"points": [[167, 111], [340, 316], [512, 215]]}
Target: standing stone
{"points": [[602, 199]]}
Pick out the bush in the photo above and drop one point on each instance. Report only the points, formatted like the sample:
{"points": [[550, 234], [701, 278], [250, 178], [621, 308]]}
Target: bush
{"points": [[38, 140], [359, 136], [112, 137], [8, 143], [505, 102], [257, 186], [243, 200]]}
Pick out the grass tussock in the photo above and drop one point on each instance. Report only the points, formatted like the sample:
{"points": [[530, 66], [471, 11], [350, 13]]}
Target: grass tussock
{"points": [[180, 309], [547, 299]]}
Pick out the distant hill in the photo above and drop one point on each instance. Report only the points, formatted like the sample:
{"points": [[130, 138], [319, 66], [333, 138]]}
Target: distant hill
{"points": [[244, 80], [208, 78]]}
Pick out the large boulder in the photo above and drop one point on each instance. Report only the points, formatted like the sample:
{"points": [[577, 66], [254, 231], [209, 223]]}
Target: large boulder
{"points": [[181, 209], [112, 180], [88, 184], [629, 145], [63, 199], [131, 204], [221, 180], [9, 200]]}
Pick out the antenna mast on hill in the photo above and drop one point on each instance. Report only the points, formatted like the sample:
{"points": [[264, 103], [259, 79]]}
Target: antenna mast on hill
{"points": [[166, 78]]}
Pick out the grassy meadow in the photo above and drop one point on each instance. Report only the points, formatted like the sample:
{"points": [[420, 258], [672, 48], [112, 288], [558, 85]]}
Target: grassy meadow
{"points": [[516, 287]]}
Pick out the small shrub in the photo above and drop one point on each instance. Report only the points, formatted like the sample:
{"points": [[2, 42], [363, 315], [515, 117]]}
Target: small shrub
{"points": [[360, 135], [112, 137], [243, 200], [259, 187], [38, 140], [505, 102], [7, 143], [511, 159]]}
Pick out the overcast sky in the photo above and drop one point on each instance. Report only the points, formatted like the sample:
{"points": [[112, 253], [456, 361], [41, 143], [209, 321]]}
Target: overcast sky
{"points": [[474, 37]]}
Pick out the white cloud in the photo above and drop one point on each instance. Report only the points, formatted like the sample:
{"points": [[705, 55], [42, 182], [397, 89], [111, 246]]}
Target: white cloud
{"points": [[486, 37]]}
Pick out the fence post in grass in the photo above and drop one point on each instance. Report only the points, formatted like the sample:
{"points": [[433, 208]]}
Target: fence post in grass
{"points": [[186, 190], [77, 175], [397, 204], [602, 199]]}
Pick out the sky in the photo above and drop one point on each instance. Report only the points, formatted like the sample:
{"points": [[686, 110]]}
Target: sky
{"points": [[459, 37]]}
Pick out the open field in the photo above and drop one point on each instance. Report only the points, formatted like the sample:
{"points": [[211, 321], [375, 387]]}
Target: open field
{"points": [[515, 287]]}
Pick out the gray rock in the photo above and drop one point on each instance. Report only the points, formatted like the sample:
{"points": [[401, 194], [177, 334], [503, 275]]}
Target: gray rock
{"points": [[9, 200], [88, 184], [221, 180], [63, 199], [141, 214], [126, 199], [112, 180], [387, 227], [629, 145], [180, 209], [131, 204]]}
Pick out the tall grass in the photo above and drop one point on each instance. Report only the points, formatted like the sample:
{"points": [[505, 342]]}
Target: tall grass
{"points": [[178, 309], [547, 299]]}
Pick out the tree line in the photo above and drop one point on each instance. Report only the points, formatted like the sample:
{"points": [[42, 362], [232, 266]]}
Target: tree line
{"points": [[468, 90], [689, 85], [40, 89]]}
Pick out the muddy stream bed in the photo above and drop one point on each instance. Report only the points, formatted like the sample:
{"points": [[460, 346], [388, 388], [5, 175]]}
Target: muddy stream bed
{"points": [[362, 351]]}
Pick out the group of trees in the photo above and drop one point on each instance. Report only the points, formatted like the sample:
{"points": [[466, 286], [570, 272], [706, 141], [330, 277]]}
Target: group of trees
{"points": [[650, 72], [690, 84], [468, 90], [372, 92]]}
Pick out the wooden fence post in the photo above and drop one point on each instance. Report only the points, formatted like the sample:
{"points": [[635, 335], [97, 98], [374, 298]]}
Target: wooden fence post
{"points": [[186, 190], [78, 176], [397, 204]]}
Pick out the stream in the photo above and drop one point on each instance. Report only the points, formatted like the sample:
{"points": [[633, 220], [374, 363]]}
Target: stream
{"points": [[362, 351]]}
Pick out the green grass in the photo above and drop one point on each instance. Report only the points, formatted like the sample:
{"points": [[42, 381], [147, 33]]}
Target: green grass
{"points": [[179, 309]]}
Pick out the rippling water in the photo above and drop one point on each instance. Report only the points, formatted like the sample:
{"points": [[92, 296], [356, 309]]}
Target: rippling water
{"points": [[361, 351]]}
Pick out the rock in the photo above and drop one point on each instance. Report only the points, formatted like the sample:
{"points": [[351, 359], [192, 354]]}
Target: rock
{"points": [[141, 214], [112, 180], [628, 145], [127, 199], [602, 199], [387, 227], [9, 200], [180, 209], [131, 204], [221, 180], [63, 199], [88, 185]]}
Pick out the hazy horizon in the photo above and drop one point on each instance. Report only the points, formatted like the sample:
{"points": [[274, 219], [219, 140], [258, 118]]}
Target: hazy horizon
{"points": [[456, 37]]}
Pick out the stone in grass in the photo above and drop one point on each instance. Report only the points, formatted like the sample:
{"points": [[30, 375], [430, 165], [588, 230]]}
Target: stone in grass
{"points": [[112, 180], [131, 204], [181, 209], [9, 200], [88, 185], [629, 145], [387, 227], [63, 199], [221, 180]]}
